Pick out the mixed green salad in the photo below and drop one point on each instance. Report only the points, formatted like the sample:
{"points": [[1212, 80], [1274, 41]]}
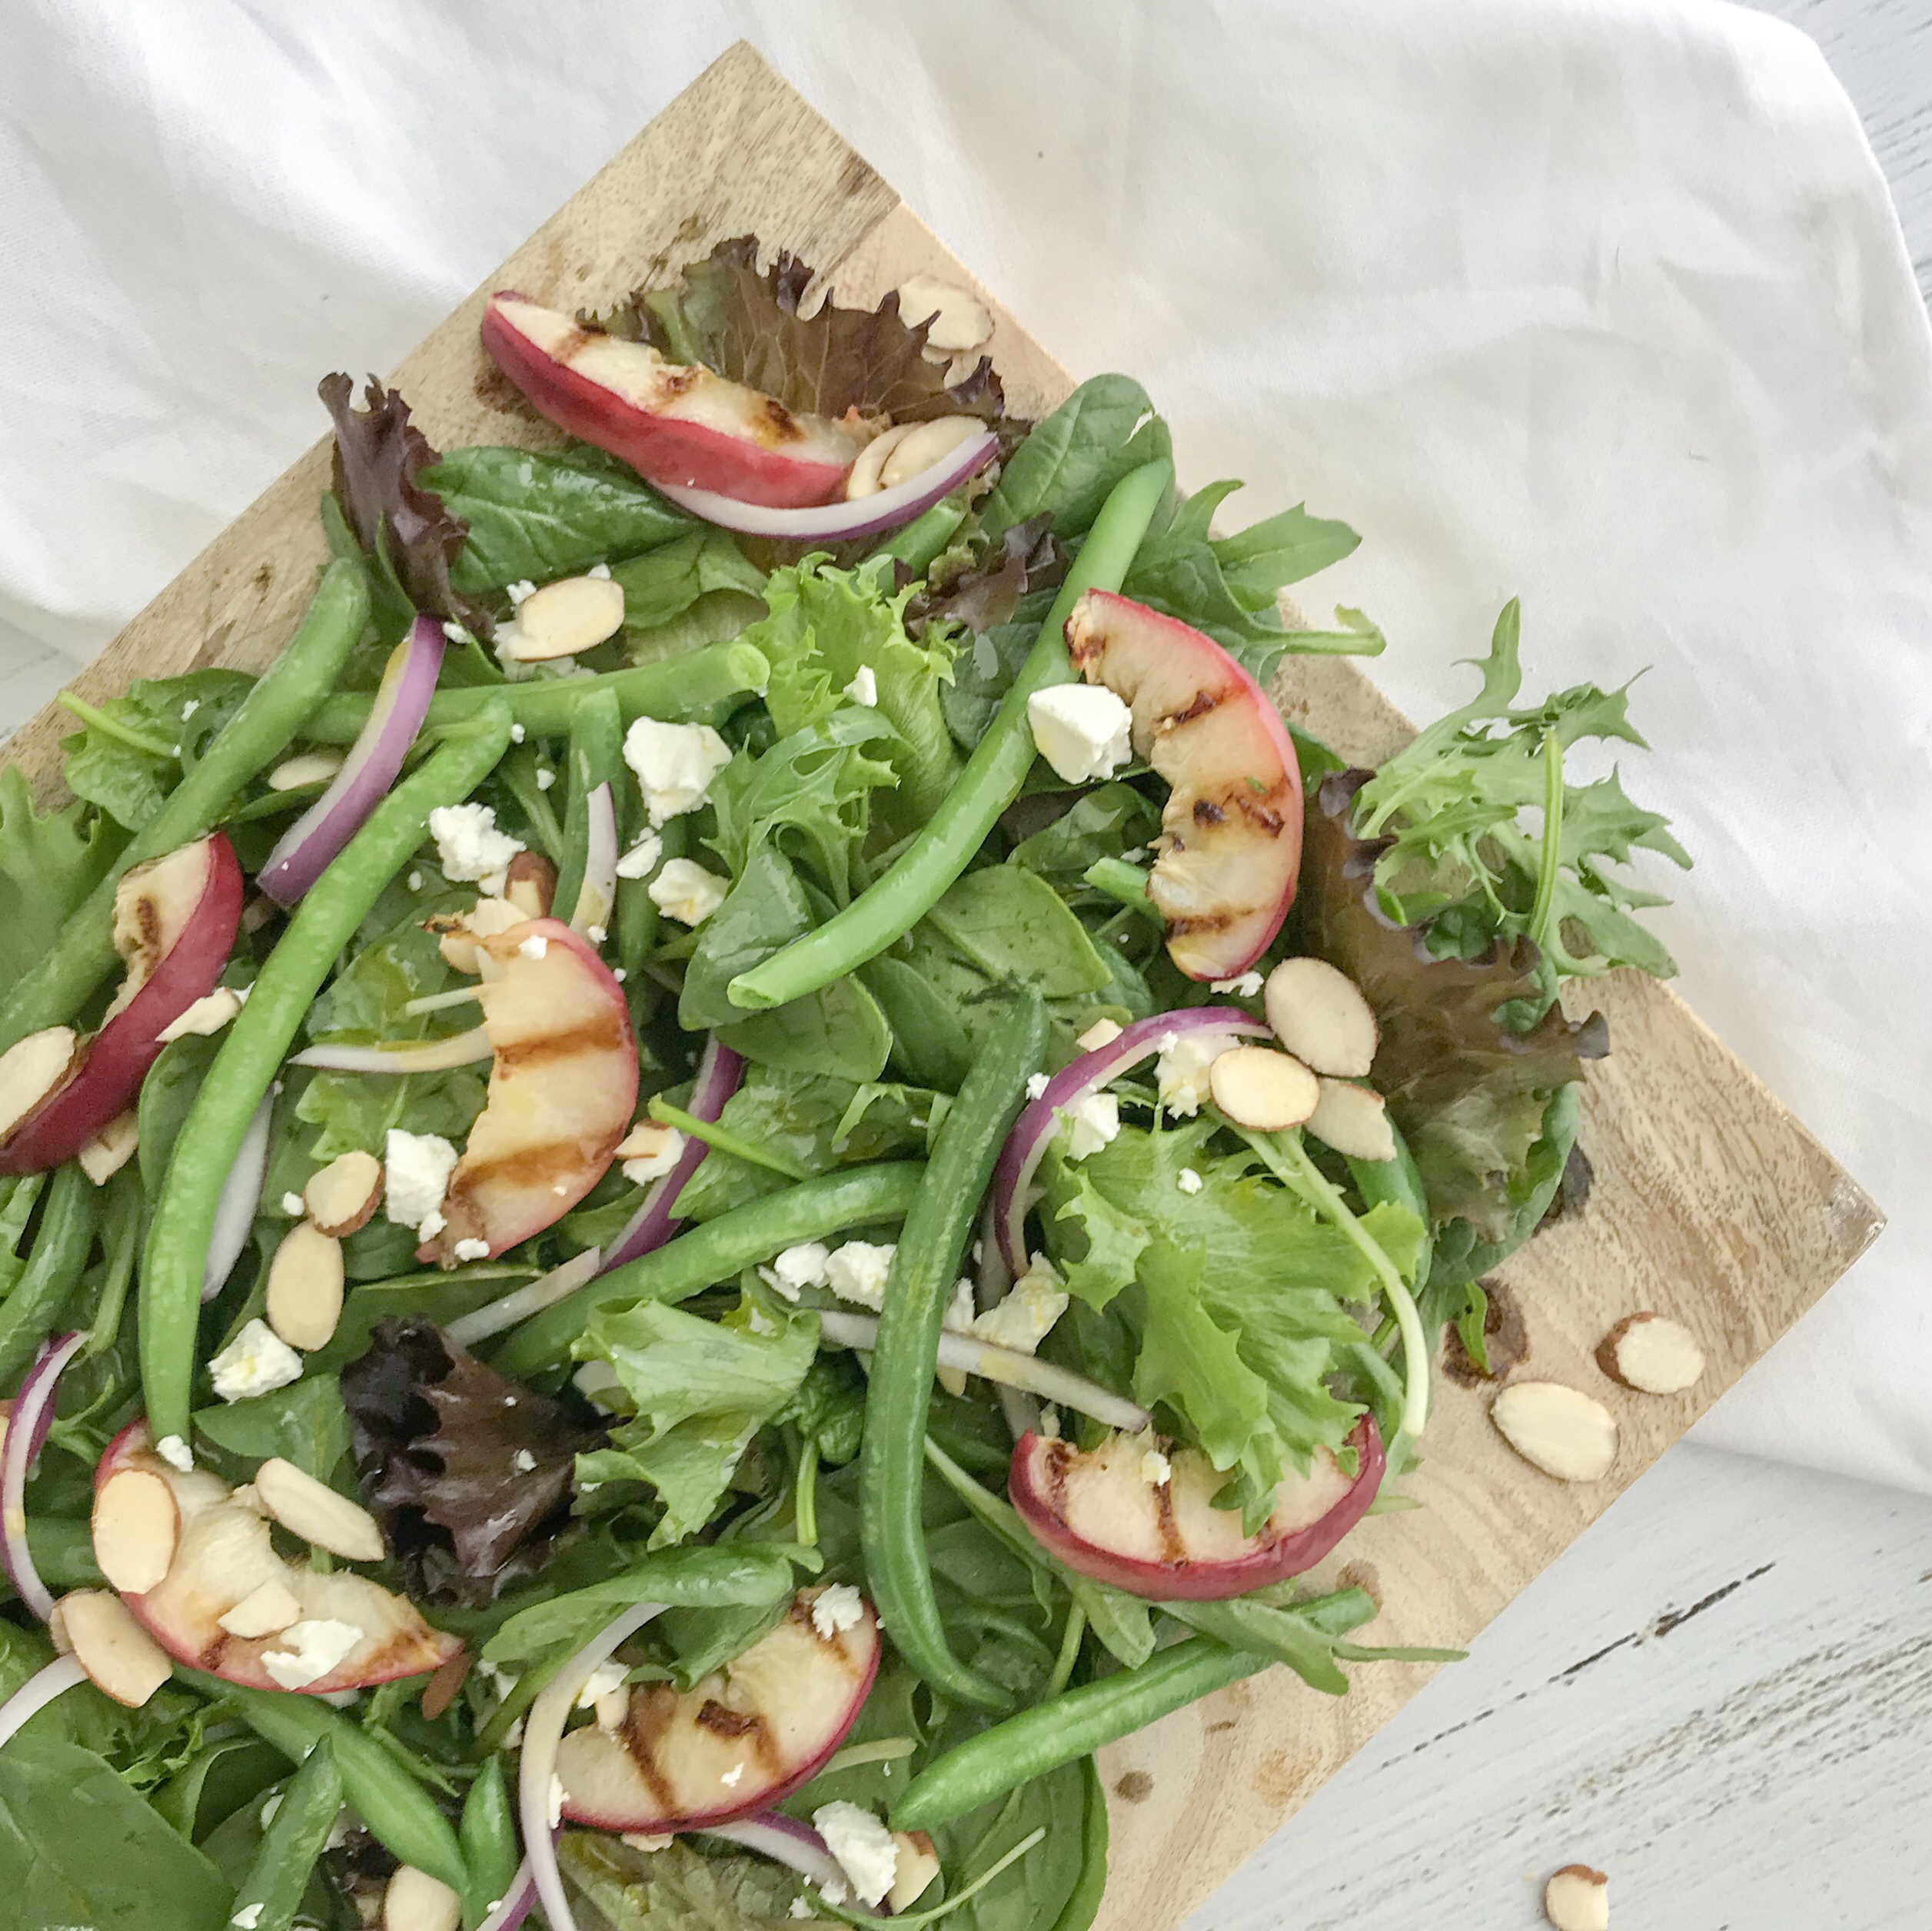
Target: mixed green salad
{"points": [[749, 1157]]}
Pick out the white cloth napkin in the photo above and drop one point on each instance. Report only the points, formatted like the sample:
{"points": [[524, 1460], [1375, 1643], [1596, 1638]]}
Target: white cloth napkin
{"points": [[1601, 304]]}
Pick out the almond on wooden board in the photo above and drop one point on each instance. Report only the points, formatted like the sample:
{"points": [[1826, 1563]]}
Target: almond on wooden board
{"points": [[137, 1525], [1558, 1429], [121, 1660], [1652, 1353], [342, 1197], [1577, 1899], [304, 1300]]}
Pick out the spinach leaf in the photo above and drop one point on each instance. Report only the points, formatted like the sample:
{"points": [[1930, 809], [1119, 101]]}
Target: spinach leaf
{"points": [[303, 1423], [985, 666], [1012, 925], [1070, 462], [48, 863], [765, 907], [838, 1031], [1100, 823], [664, 583], [135, 748]]}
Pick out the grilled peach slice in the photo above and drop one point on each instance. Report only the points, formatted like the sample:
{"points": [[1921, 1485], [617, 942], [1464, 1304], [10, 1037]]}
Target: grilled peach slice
{"points": [[1230, 835]]}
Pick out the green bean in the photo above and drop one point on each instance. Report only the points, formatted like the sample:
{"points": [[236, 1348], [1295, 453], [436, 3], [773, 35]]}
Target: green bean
{"points": [[487, 1835], [638, 918], [60, 1252], [919, 544], [596, 757], [401, 1813], [925, 1265], [1075, 1725], [253, 1047], [1126, 883], [704, 687], [914, 883], [126, 1219], [1397, 1183], [518, 775], [1083, 1906], [717, 1251], [286, 693], [292, 1844]]}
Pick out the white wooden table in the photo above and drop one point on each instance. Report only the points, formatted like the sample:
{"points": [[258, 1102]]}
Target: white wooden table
{"points": [[1722, 1694]]}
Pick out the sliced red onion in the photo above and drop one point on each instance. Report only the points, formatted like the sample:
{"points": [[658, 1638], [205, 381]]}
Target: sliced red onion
{"points": [[234, 1212], [36, 1692], [31, 1417], [520, 1303], [516, 1904], [1006, 1367], [309, 846], [718, 1072], [543, 1731], [865, 516], [597, 897], [785, 1841], [405, 1056], [1026, 1144]]}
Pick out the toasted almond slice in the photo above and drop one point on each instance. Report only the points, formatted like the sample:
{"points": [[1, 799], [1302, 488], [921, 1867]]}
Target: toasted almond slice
{"points": [[1354, 1120], [1560, 1430], [1320, 1015], [926, 445], [574, 613], [265, 1611], [304, 1293], [1652, 1353], [305, 768], [415, 1901], [485, 919], [30, 1069], [863, 478], [207, 1015], [312, 1510], [341, 1197], [121, 1660], [111, 1148], [1577, 1899], [530, 884], [1257, 1087], [959, 317], [918, 1864], [137, 1525]]}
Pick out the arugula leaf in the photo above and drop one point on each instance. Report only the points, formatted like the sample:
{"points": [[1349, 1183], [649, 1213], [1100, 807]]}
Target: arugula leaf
{"points": [[1070, 462], [135, 748], [700, 1391], [531, 518], [48, 863]]}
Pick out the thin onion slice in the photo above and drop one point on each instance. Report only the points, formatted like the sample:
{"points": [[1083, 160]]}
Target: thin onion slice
{"points": [[1006, 1366], [28, 1423], [597, 897], [405, 1056], [1026, 1144], [718, 1072], [312, 844], [785, 1840], [520, 1303], [40, 1689], [542, 1731], [234, 1212], [865, 516], [516, 1904]]}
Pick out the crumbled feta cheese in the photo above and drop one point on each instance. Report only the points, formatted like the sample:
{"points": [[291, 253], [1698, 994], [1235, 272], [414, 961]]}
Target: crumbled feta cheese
{"points": [[596, 934], [863, 1846], [557, 1800], [1180, 1073], [523, 1462], [248, 1918], [1049, 1423], [1026, 1316], [455, 632], [650, 1151], [257, 1361], [606, 1677], [1091, 1124], [1245, 984], [857, 1272], [535, 946], [802, 1266], [683, 890], [836, 1890], [619, 974], [839, 1607], [1102, 1032], [208, 1014], [1155, 1469], [545, 778], [1036, 1084], [315, 1648], [517, 734], [468, 842], [799, 1908], [415, 880], [176, 1453], [959, 1310], [756, 1324], [641, 860], [293, 1205], [473, 1250], [1187, 1180], [729, 1779], [1083, 731], [600, 571], [416, 1170], [432, 1224], [864, 687], [517, 591], [675, 764]]}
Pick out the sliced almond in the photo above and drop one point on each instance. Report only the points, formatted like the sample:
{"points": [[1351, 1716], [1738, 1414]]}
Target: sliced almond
{"points": [[340, 1197], [958, 318], [1320, 1015], [305, 768], [1652, 1353], [314, 1511], [207, 1015], [574, 613], [530, 884], [415, 1901], [918, 1864], [121, 1660], [30, 1069], [926, 444], [864, 477], [111, 1148], [1354, 1120], [304, 1293], [485, 919], [137, 1525], [266, 1611], [1559, 1429], [1577, 1899], [1257, 1087]]}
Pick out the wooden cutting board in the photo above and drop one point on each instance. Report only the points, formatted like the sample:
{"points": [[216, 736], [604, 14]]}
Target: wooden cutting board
{"points": [[1711, 1203]]}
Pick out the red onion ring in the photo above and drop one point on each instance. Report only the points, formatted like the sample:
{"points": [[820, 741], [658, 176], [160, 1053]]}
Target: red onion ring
{"points": [[516, 1904], [306, 849], [543, 1731], [405, 1056], [719, 1073], [520, 1303], [785, 1841], [864, 516], [28, 1423], [36, 1692], [597, 897], [1026, 1144], [234, 1212]]}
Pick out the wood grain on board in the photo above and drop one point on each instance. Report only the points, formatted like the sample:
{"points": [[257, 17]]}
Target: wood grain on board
{"points": [[1711, 1202]]}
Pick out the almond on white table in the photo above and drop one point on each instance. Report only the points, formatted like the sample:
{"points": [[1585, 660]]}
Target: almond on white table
{"points": [[121, 1660], [1558, 1429], [136, 1527], [304, 1301], [1319, 1015], [1652, 1353], [314, 1511], [1577, 1899], [342, 1197], [1258, 1088]]}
